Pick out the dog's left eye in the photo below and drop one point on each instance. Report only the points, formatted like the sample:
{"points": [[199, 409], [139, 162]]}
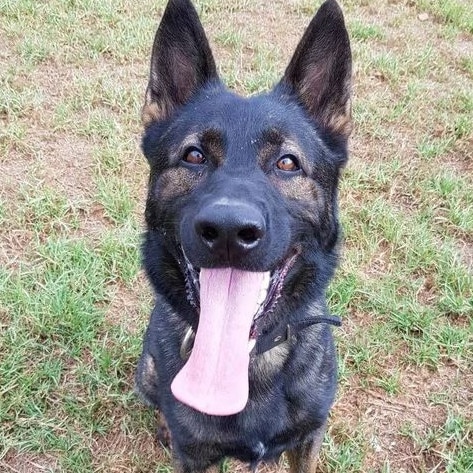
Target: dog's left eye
{"points": [[288, 163], [194, 156]]}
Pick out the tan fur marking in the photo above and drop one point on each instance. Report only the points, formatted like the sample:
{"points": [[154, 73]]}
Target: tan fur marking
{"points": [[277, 144], [151, 113], [164, 435], [337, 115], [271, 142], [299, 187], [213, 145], [303, 459], [272, 360], [266, 152], [148, 375], [342, 122], [176, 181]]}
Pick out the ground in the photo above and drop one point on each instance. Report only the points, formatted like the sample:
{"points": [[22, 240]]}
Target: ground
{"points": [[74, 301]]}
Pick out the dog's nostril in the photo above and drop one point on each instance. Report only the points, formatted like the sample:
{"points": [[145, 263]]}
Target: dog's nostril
{"points": [[249, 235], [209, 233], [229, 231]]}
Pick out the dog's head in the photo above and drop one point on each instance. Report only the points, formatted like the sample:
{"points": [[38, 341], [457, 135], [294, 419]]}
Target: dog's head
{"points": [[242, 191]]}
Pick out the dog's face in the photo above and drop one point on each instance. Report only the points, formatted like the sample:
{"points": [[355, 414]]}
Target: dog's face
{"points": [[242, 191]]}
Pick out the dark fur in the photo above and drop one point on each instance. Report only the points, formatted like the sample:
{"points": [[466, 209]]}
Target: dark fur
{"points": [[292, 387]]}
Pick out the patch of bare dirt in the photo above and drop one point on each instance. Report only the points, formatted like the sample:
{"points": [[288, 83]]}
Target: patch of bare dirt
{"points": [[380, 263], [461, 160], [20, 462], [128, 303], [12, 249], [66, 165], [119, 452], [428, 292], [465, 250], [381, 417]]}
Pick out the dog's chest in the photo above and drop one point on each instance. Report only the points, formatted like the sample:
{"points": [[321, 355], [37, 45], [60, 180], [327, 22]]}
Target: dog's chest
{"points": [[248, 440]]}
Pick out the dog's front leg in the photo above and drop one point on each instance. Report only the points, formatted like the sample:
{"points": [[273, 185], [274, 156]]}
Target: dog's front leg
{"points": [[303, 458]]}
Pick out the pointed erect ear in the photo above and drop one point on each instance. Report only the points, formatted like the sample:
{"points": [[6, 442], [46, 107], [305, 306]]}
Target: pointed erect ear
{"points": [[181, 61], [320, 70]]}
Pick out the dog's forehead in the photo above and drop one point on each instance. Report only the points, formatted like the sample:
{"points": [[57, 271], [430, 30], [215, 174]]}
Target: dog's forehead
{"points": [[251, 120]]}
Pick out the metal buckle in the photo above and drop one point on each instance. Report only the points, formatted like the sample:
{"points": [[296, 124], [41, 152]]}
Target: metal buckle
{"points": [[187, 344], [281, 338]]}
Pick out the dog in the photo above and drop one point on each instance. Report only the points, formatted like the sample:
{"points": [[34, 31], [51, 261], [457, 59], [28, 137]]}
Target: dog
{"points": [[242, 240]]}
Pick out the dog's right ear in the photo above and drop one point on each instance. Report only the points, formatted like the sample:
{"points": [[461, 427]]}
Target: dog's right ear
{"points": [[181, 62]]}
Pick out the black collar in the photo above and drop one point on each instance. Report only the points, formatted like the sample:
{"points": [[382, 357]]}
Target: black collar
{"points": [[284, 332], [269, 340]]}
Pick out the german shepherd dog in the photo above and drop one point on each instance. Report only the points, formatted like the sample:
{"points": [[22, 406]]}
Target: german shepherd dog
{"points": [[241, 243]]}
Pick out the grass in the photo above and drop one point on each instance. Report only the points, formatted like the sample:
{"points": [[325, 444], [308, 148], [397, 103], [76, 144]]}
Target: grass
{"points": [[74, 302]]}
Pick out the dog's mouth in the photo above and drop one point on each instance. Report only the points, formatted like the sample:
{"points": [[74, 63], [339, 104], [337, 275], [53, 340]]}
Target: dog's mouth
{"points": [[231, 303], [269, 292]]}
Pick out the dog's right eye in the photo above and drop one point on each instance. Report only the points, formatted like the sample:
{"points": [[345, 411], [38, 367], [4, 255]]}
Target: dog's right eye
{"points": [[194, 156]]}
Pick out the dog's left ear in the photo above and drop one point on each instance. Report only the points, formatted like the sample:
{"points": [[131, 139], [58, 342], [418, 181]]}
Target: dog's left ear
{"points": [[181, 62], [320, 70]]}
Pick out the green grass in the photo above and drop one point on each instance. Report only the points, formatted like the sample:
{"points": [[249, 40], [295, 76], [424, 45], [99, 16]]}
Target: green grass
{"points": [[74, 302], [452, 12]]}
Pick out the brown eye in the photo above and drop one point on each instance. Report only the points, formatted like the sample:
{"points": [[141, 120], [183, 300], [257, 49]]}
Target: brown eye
{"points": [[194, 156], [288, 163]]}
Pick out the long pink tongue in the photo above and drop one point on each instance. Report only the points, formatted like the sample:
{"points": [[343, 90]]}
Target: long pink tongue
{"points": [[215, 378]]}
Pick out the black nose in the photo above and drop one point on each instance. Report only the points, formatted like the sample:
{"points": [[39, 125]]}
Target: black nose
{"points": [[230, 229]]}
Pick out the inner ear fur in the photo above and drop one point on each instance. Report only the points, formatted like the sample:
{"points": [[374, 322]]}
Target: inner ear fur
{"points": [[320, 71], [181, 62]]}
